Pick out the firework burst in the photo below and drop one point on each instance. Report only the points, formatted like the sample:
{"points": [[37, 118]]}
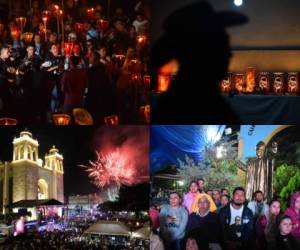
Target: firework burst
{"points": [[111, 169]]}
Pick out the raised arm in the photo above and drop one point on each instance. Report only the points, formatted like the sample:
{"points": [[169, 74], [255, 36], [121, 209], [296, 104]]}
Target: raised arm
{"points": [[242, 166]]}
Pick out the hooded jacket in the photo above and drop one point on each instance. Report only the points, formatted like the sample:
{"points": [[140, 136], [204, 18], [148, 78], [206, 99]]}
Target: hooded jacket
{"points": [[294, 216]]}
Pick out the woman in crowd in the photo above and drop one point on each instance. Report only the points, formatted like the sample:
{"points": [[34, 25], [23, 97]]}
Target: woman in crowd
{"points": [[189, 198], [212, 206], [294, 213], [285, 240], [266, 227]]}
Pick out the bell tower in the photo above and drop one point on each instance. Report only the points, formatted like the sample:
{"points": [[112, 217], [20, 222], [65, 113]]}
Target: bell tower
{"points": [[54, 162], [25, 167]]}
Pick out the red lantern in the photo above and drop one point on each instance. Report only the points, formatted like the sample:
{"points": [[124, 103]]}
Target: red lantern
{"points": [[102, 24], [45, 15], [61, 119], [68, 48], [21, 22], [79, 28], [136, 78], [90, 13], [27, 37], [15, 33], [76, 49]]}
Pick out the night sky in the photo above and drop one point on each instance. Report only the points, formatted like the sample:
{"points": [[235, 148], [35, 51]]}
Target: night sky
{"points": [[78, 146]]}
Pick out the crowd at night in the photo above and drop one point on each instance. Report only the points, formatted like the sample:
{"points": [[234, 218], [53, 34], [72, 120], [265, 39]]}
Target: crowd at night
{"points": [[58, 56], [71, 236], [216, 219]]}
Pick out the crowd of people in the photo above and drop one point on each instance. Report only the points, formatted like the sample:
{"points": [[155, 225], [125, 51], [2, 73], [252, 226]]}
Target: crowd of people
{"points": [[70, 235], [213, 220], [74, 56]]}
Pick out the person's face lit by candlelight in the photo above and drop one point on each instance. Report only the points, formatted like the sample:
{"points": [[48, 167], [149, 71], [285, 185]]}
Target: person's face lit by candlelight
{"points": [[54, 50]]}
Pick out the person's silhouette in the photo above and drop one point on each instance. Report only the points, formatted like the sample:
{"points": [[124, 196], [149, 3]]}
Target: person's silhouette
{"points": [[195, 36]]}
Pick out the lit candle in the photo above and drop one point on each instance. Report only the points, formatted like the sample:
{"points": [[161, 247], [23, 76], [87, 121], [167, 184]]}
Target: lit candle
{"points": [[27, 37], [78, 28], [239, 83], [15, 33], [250, 80], [111, 120], [226, 84], [147, 81], [21, 22], [141, 39], [145, 113], [61, 119], [120, 59], [163, 82], [264, 82], [68, 48], [293, 83], [90, 13], [278, 84], [102, 24]]}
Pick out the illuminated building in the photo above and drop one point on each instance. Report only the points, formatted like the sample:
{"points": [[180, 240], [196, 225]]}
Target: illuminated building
{"points": [[28, 181]]}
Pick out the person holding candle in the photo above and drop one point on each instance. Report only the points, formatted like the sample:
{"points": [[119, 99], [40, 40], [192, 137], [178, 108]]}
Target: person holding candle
{"points": [[53, 66]]}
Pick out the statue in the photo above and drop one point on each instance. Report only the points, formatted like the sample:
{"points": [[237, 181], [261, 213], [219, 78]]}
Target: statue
{"points": [[260, 170]]}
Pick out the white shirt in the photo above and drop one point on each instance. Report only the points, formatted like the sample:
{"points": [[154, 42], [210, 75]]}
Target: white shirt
{"points": [[234, 213], [140, 26]]}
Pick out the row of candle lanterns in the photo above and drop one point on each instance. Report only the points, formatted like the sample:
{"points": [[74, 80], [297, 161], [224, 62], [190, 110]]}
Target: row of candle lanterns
{"points": [[57, 13], [264, 83], [82, 117]]}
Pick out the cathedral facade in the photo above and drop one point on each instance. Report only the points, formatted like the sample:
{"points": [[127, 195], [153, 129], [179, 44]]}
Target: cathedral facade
{"points": [[29, 178]]}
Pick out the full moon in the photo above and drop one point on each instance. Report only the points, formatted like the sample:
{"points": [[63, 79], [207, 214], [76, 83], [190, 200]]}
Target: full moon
{"points": [[238, 2]]}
